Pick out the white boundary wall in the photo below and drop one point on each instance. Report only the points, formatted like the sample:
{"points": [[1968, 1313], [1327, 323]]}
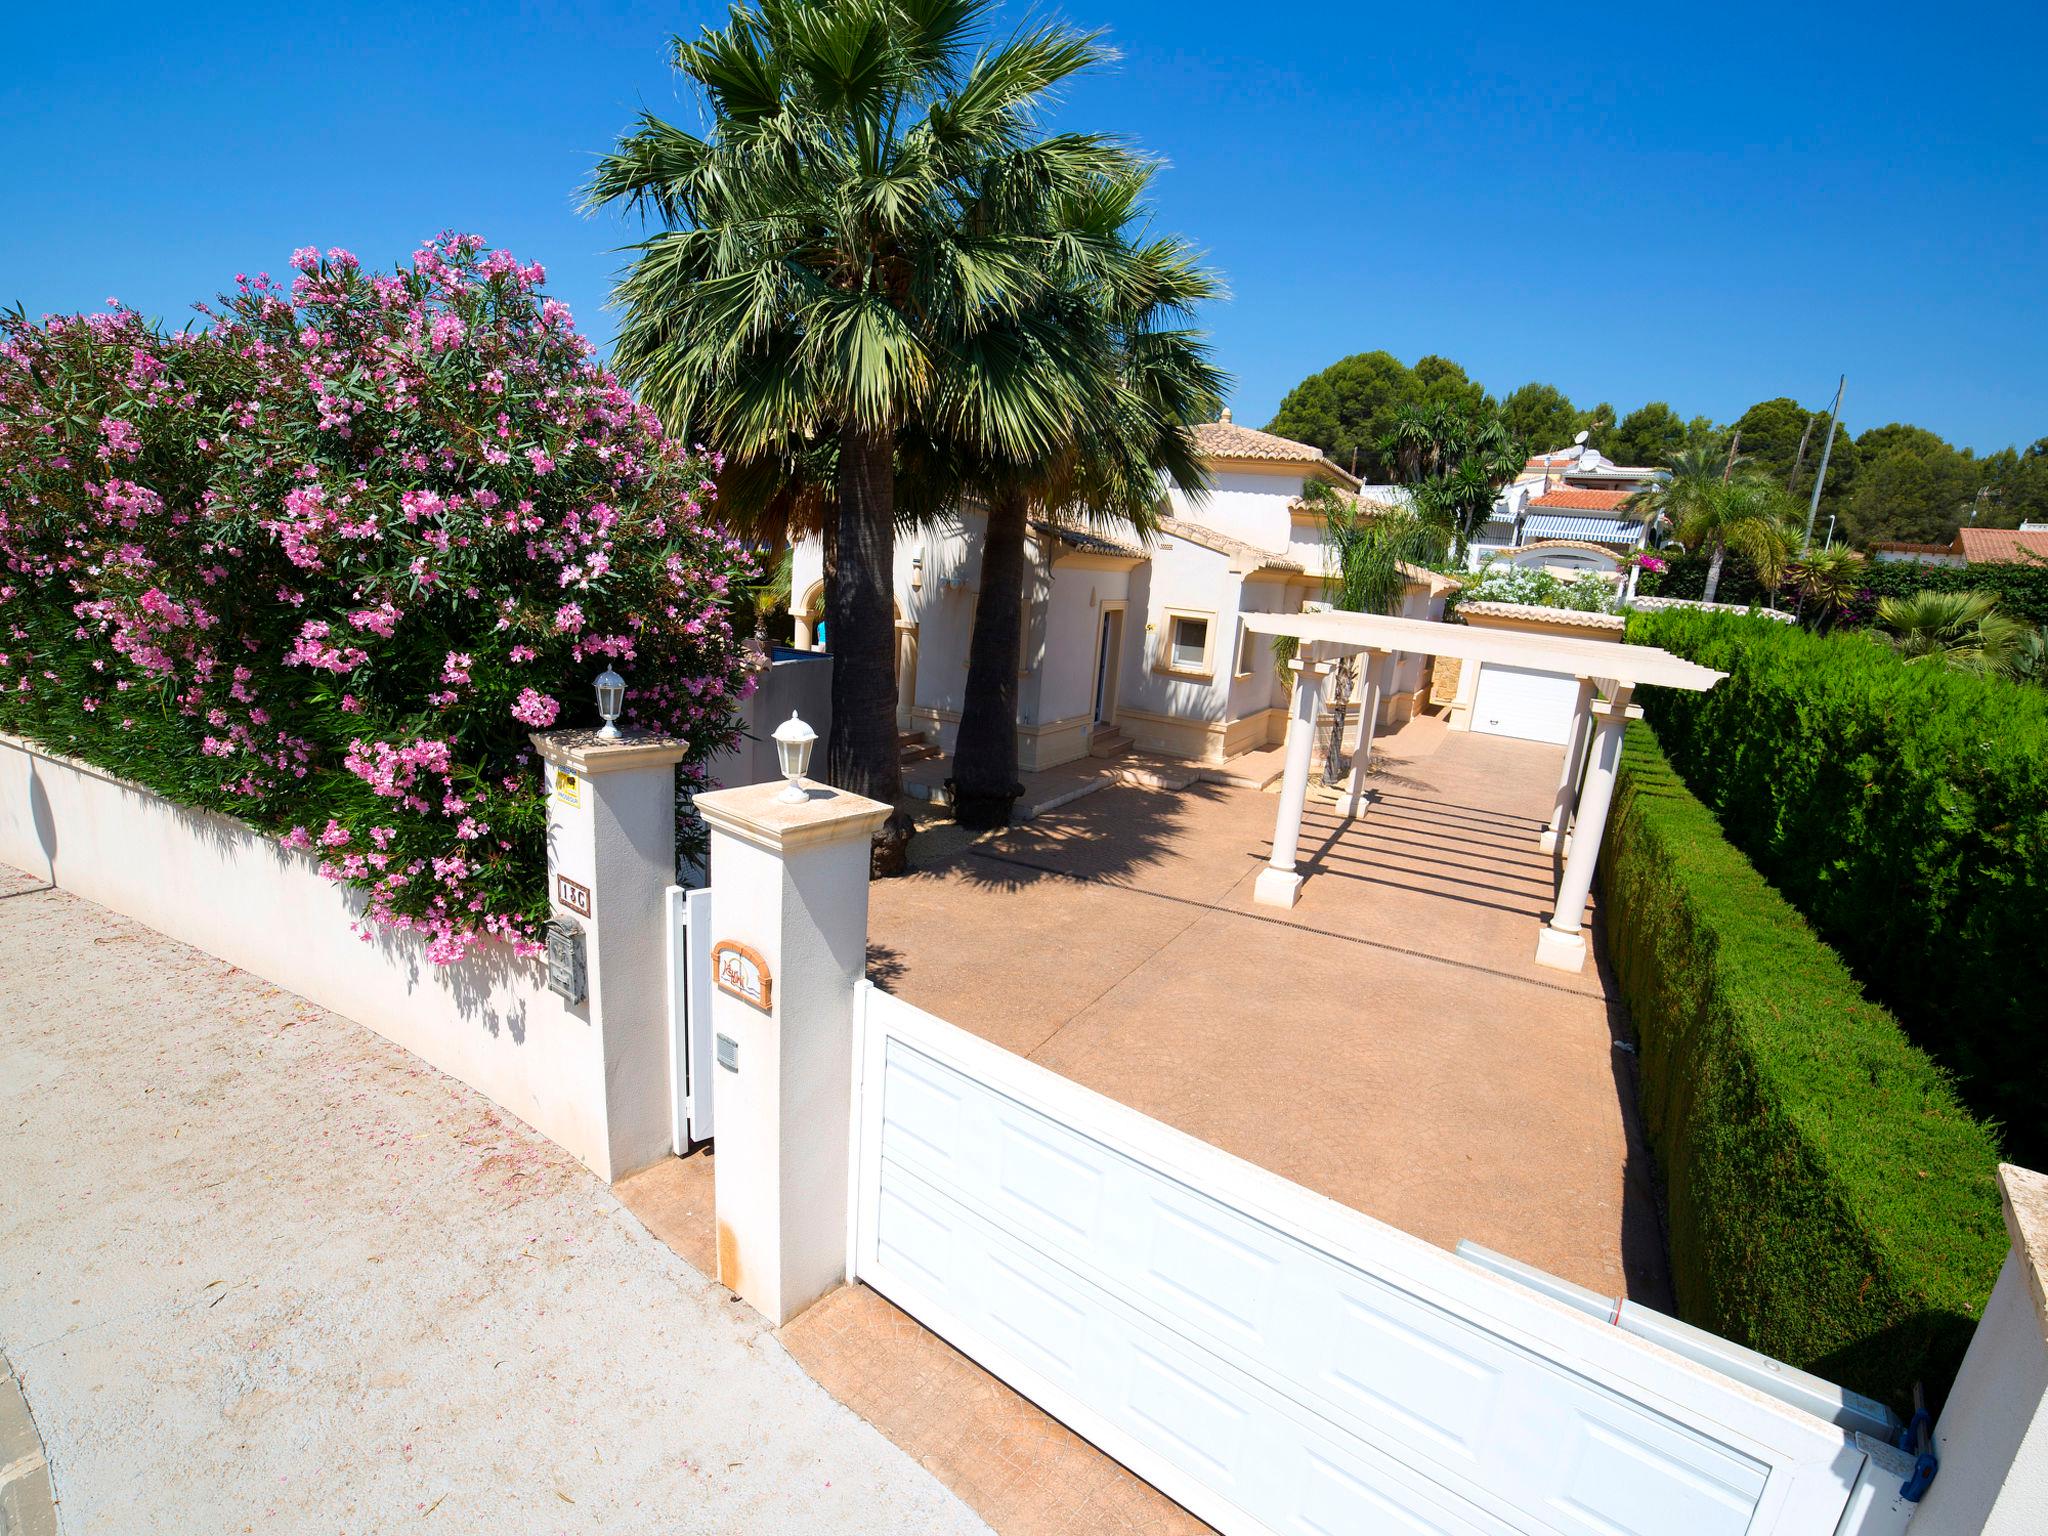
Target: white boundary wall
{"points": [[221, 887]]}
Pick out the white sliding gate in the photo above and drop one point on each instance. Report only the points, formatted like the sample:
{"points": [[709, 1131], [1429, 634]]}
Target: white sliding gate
{"points": [[689, 1016], [1277, 1362]]}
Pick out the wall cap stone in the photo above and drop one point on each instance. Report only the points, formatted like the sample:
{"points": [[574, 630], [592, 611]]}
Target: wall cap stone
{"points": [[757, 814], [587, 754]]}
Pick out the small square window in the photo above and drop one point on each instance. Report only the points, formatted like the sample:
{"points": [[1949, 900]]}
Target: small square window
{"points": [[1190, 644]]}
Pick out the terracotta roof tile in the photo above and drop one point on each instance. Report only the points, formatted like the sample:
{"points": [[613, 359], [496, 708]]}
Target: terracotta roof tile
{"points": [[1572, 498], [1228, 440], [1089, 541], [1243, 556], [2003, 546]]}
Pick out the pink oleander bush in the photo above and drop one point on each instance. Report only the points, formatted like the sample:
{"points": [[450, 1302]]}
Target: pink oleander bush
{"points": [[326, 559]]}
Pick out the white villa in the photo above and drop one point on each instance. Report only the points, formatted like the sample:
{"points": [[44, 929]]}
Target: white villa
{"points": [[1126, 642], [1568, 511]]}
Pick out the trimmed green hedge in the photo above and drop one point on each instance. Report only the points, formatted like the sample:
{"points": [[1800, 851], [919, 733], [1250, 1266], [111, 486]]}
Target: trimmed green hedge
{"points": [[1904, 810], [1830, 1201]]}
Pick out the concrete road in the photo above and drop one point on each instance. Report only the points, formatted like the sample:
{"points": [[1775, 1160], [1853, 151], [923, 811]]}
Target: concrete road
{"points": [[262, 1271]]}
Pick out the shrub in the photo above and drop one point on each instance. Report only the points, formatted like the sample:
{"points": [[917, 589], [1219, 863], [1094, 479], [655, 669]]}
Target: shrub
{"points": [[1531, 586], [1830, 1201], [1902, 808], [325, 561]]}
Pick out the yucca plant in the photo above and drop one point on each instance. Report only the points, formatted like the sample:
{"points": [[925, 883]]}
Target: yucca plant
{"points": [[1828, 580]]}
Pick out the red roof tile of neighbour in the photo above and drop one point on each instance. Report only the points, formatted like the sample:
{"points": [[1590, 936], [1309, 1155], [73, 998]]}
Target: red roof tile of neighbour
{"points": [[1574, 499], [2003, 546]]}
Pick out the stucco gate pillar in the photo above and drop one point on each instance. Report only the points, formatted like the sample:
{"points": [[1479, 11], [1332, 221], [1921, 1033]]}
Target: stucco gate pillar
{"points": [[1993, 1433], [1568, 776], [789, 943], [1561, 944], [611, 858], [1279, 883]]}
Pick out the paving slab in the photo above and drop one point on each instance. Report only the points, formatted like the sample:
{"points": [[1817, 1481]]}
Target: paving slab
{"points": [[261, 1270], [1389, 1042]]}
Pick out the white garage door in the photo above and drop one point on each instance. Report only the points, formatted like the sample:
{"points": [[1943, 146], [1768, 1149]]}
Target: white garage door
{"points": [[1274, 1361], [1514, 701]]}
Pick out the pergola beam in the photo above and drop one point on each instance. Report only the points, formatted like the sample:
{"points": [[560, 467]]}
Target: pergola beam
{"points": [[1615, 666], [1608, 674]]}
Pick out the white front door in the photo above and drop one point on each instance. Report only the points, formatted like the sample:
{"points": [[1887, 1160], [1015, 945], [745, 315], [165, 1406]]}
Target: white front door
{"points": [[1514, 701]]}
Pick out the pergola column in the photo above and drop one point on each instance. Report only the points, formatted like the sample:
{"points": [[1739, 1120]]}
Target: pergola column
{"points": [[1568, 776], [1376, 663], [1278, 883], [1561, 944], [803, 631]]}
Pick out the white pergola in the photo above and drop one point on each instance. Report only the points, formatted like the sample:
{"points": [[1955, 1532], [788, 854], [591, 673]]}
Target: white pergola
{"points": [[1608, 676]]}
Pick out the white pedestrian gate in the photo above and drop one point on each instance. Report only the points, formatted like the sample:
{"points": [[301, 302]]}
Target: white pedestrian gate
{"points": [[689, 1016], [1272, 1360]]}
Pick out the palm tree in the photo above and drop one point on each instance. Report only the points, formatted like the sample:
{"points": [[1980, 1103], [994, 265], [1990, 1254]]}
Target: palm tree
{"points": [[1369, 551], [1963, 630], [1750, 515], [1134, 383], [861, 216]]}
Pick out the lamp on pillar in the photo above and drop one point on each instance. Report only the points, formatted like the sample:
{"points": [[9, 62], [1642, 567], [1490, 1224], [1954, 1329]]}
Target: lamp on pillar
{"points": [[611, 701], [793, 743]]}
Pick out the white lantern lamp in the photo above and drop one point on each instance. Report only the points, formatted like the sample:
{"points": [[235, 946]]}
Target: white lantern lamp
{"points": [[793, 743], [611, 700]]}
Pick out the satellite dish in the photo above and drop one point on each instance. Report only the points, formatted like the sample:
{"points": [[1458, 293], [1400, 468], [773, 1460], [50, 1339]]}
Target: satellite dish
{"points": [[1580, 440]]}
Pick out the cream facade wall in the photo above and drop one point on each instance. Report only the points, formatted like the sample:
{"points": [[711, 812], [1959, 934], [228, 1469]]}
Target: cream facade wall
{"points": [[1248, 501]]}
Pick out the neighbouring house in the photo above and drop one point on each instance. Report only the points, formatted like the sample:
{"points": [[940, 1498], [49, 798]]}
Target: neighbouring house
{"points": [[1569, 510], [1971, 546], [1127, 641]]}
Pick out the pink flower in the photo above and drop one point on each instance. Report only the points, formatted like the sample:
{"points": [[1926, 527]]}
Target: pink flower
{"points": [[569, 618], [535, 709]]}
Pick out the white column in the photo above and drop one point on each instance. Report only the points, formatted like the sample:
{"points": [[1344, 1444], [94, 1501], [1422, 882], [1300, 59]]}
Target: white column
{"points": [[790, 884], [1993, 1435], [1568, 775], [1278, 883], [611, 859], [1377, 664], [1561, 944]]}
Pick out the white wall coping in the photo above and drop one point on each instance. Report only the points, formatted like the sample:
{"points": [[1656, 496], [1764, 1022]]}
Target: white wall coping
{"points": [[1579, 617], [2025, 1195]]}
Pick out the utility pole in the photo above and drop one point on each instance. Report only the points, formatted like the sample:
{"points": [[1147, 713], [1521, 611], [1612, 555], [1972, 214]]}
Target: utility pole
{"points": [[1734, 443], [1827, 447], [1799, 458]]}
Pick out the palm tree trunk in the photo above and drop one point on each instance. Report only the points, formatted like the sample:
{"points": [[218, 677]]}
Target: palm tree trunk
{"points": [[985, 783], [1714, 572], [861, 754]]}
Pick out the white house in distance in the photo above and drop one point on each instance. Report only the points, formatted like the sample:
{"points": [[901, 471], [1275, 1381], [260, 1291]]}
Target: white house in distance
{"points": [[1127, 643], [1567, 511]]}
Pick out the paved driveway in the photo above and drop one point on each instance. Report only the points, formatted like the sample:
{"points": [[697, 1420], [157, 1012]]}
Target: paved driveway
{"points": [[262, 1271], [1390, 1043]]}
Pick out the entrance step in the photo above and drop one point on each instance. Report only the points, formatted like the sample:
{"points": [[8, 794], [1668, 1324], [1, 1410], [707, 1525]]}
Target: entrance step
{"points": [[1108, 741], [911, 747]]}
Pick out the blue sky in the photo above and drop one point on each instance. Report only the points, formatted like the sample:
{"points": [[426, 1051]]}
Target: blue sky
{"points": [[1705, 208]]}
